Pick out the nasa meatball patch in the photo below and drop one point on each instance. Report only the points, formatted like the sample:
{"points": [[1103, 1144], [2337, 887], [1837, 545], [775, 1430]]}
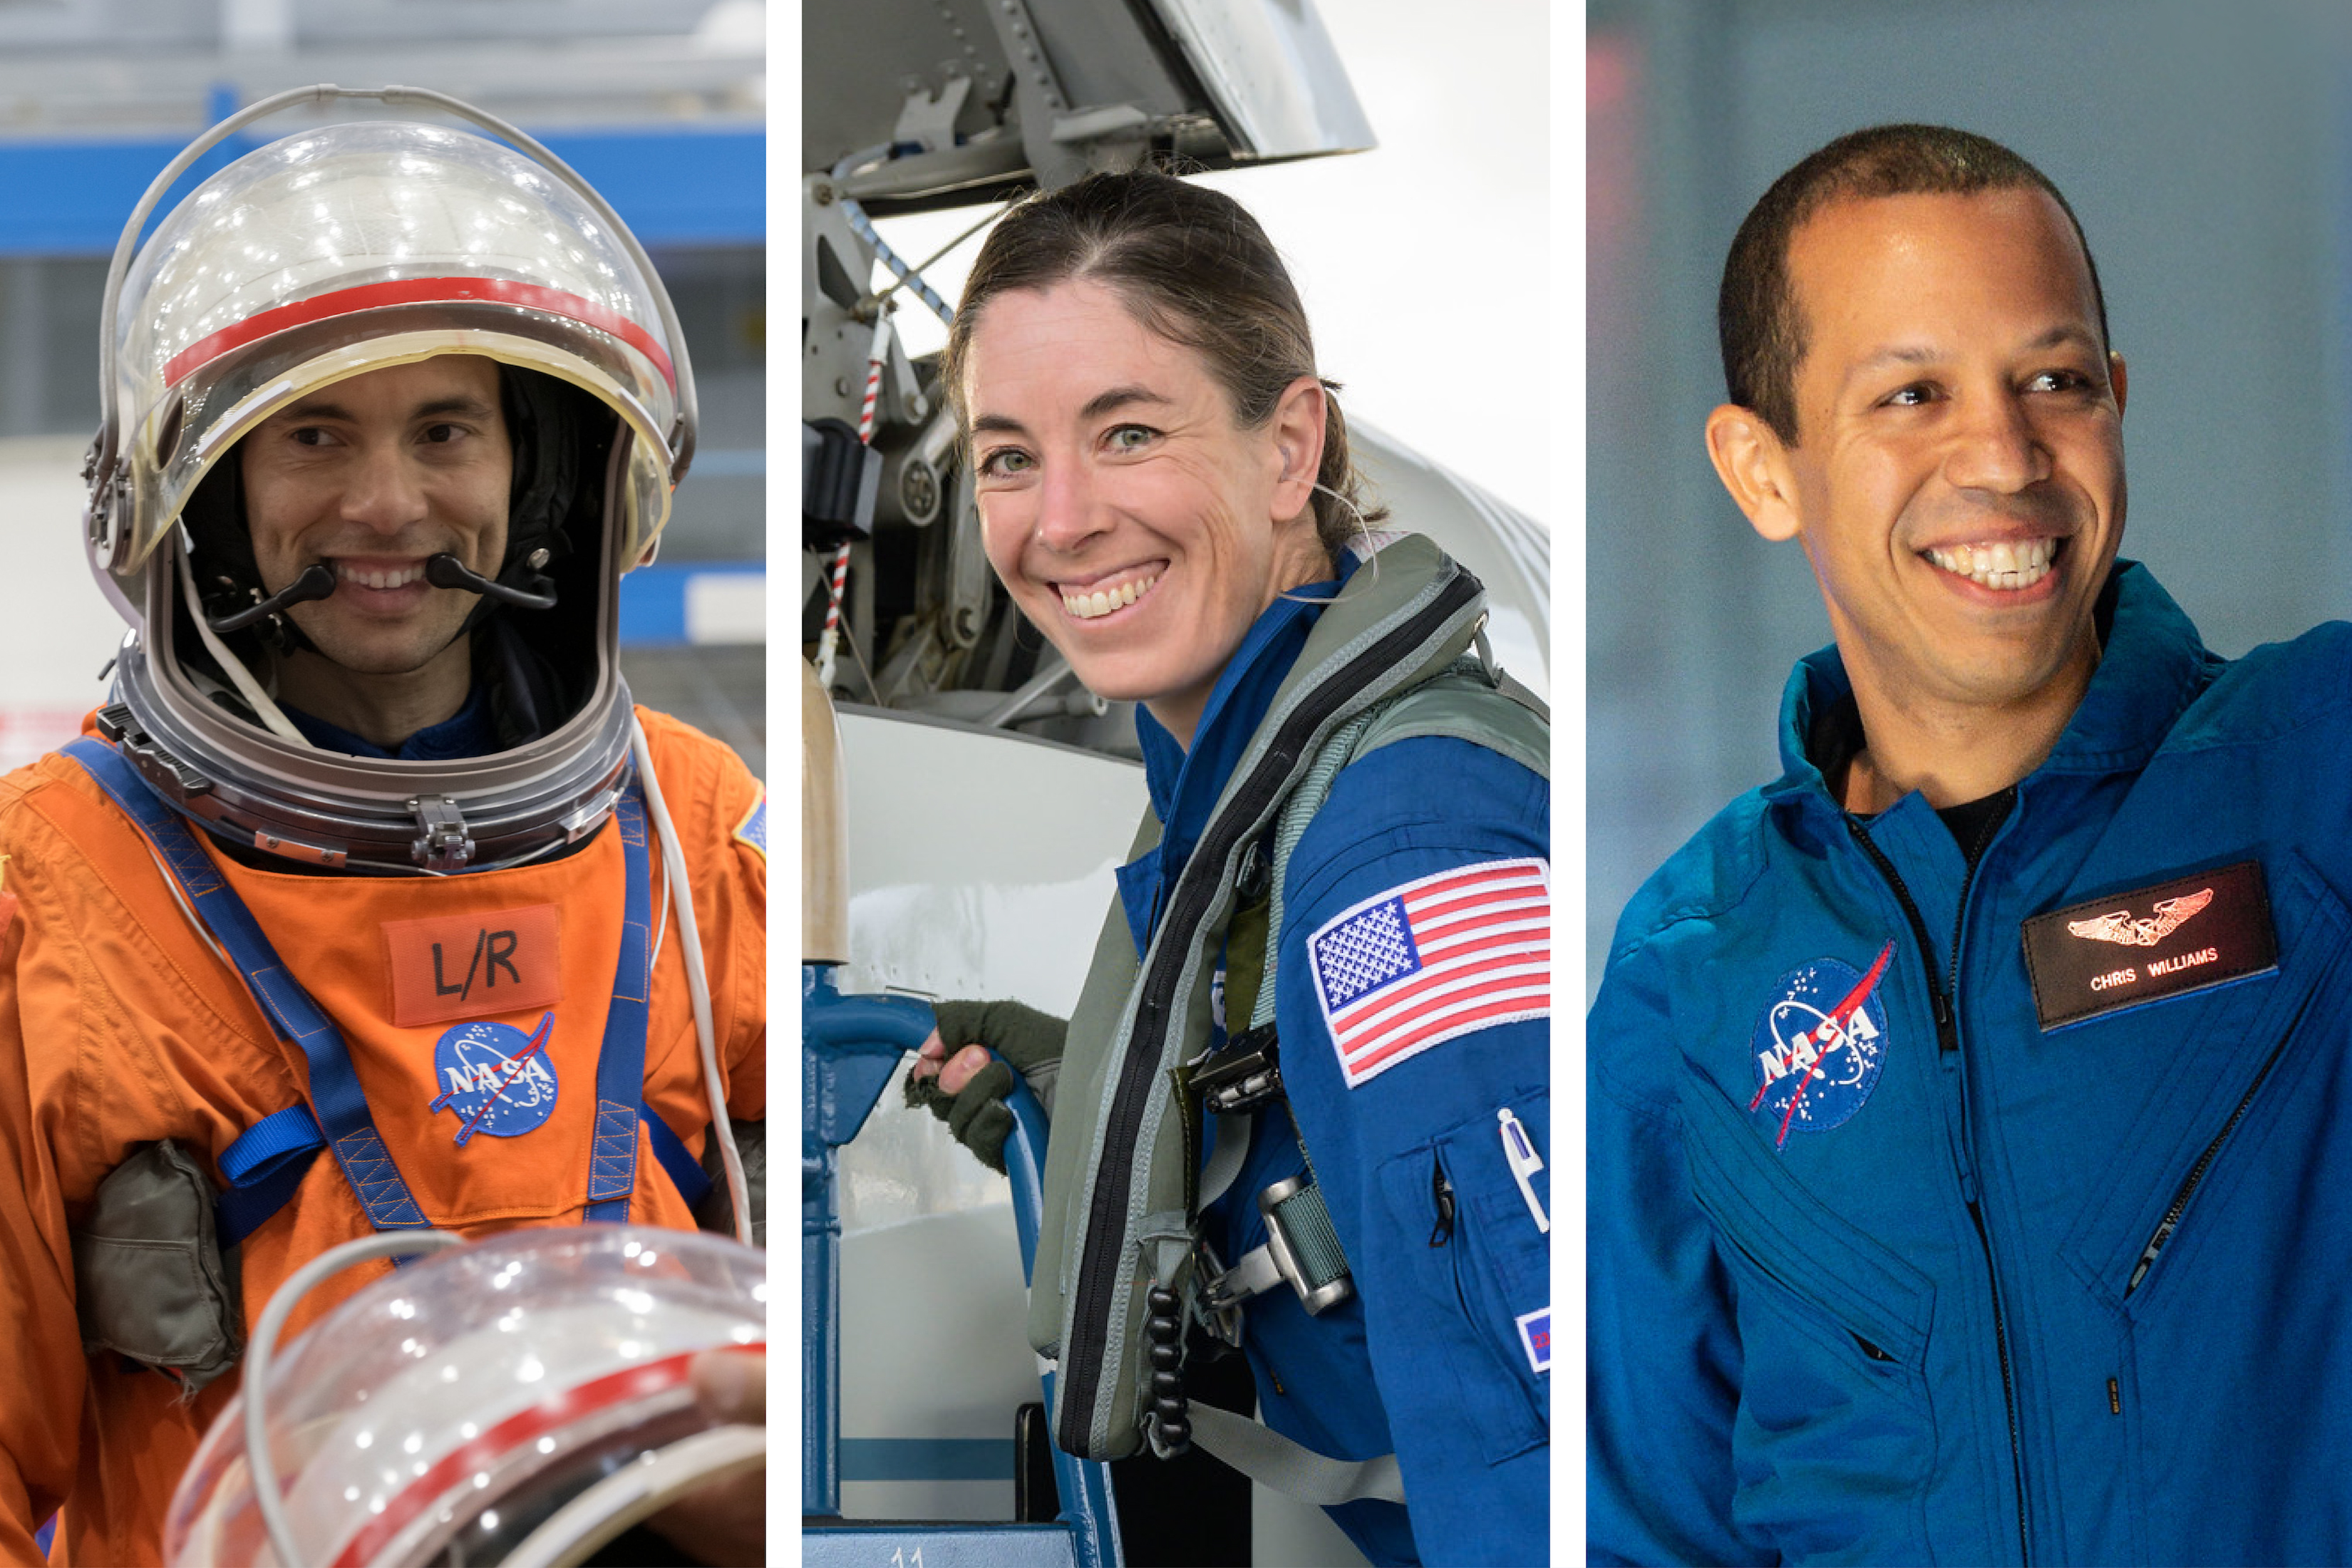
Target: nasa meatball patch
{"points": [[495, 1078], [1819, 1046]]}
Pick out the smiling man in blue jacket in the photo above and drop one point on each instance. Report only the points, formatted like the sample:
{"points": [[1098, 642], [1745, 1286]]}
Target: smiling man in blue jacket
{"points": [[1971, 1178]]}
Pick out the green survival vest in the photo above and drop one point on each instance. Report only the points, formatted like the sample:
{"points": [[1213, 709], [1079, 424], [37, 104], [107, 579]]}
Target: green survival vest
{"points": [[1384, 661]]}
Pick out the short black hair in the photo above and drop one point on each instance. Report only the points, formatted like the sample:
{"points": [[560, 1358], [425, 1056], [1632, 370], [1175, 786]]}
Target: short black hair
{"points": [[1756, 315]]}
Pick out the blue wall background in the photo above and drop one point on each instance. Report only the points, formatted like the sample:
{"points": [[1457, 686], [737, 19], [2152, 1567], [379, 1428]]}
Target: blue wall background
{"points": [[2204, 148], [673, 186]]}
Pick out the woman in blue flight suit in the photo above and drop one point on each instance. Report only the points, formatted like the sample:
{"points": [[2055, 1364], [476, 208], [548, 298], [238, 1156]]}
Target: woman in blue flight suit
{"points": [[1165, 490]]}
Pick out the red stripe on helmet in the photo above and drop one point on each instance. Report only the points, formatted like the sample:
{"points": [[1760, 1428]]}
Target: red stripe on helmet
{"points": [[420, 292], [516, 1432]]}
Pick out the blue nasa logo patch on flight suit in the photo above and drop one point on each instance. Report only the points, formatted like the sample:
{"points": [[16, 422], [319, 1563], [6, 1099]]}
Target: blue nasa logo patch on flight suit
{"points": [[1819, 1046], [495, 1078]]}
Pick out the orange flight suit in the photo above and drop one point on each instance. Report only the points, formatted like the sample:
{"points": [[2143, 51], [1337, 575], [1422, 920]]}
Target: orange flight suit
{"points": [[119, 1027]]}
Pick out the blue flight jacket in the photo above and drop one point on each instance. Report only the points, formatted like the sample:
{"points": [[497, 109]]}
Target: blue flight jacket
{"points": [[1999, 1292], [1431, 1357]]}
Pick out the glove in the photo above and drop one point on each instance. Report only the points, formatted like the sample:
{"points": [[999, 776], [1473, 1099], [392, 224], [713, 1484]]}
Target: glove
{"points": [[978, 1117]]}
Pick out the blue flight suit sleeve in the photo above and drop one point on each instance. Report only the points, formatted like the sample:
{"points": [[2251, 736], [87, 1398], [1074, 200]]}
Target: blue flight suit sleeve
{"points": [[1662, 1353], [1456, 1313]]}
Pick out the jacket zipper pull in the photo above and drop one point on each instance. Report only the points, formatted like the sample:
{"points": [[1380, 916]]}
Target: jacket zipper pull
{"points": [[2147, 1257], [1441, 1191]]}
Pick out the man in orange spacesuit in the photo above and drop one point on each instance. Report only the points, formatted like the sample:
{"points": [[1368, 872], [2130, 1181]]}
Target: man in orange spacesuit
{"points": [[369, 899]]}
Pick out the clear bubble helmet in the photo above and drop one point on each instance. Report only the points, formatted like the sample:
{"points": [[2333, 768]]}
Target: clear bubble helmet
{"points": [[329, 254], [449, 1412]]}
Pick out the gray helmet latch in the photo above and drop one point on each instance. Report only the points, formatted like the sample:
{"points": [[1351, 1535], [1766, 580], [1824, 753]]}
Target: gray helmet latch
{"points": [[445, 844]]}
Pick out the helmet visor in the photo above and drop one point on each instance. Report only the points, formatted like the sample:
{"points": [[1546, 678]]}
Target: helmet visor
{"points": [[343, 250]]}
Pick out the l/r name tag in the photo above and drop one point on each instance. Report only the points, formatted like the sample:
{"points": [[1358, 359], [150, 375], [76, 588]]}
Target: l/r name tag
{"points": [[475, 966], [2166, 940]]}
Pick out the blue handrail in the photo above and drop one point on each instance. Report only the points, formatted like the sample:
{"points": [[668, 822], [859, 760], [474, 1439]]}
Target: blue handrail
{"points": [[1085, 1485], [852, 1045]]}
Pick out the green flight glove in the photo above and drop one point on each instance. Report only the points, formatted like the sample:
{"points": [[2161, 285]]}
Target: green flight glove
{"points": [[1030, 1041]]}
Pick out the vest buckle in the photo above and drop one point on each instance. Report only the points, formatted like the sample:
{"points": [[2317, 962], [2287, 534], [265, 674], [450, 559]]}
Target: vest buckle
{"points": [[1243, 1075], [1301, 1251]]}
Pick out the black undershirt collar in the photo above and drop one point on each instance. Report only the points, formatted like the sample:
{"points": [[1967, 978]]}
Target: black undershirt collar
{"points": [[1836, 740]]}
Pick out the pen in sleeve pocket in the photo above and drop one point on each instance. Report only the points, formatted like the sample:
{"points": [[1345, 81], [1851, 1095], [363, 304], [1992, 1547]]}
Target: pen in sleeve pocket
{"points": [[1521, 1156]]}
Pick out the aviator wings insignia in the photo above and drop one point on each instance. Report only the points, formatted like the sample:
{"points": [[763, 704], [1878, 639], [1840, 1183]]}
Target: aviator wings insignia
{"points": [[2171, 914]]}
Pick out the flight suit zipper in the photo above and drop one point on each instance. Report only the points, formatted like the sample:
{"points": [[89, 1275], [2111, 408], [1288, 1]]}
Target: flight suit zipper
{"points": [[1102, 1256], [1944, 1001], [2196, 1176], [1441, 1193]]}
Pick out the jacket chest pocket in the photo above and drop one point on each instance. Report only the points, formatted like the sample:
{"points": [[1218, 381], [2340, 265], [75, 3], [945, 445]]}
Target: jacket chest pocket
{"points": [[2212, 1252], [2223, 1070], [1834, 1330]]}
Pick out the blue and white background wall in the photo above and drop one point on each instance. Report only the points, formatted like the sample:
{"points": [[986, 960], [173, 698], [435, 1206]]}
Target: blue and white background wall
{"points": [[660, 104]]}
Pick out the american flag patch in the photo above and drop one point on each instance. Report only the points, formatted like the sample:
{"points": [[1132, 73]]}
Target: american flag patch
{"points": [[1436, 958]]}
